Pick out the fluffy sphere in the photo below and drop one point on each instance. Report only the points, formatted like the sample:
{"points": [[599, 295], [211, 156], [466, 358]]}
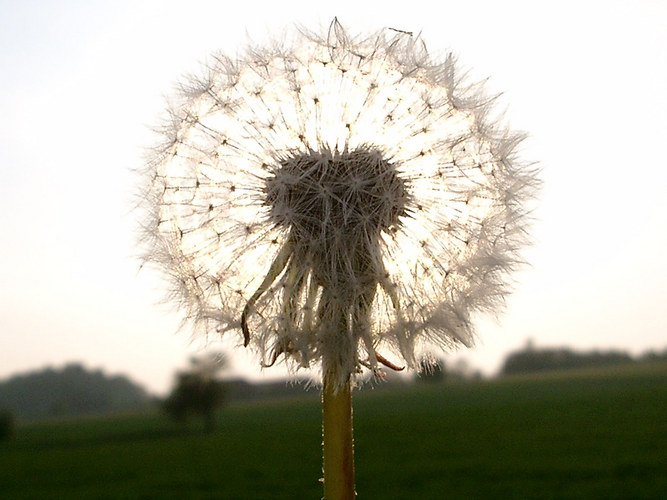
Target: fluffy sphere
{"points": [[334, 197]]}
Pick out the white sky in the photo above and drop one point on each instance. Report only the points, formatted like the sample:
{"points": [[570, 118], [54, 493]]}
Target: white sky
{"points": [[81, 82]]}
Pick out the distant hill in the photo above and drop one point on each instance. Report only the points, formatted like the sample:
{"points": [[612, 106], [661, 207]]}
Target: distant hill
{"points": [[69, 391]]}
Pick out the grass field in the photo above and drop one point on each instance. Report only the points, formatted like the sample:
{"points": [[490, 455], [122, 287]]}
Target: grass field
{"points": [[588, 435]]}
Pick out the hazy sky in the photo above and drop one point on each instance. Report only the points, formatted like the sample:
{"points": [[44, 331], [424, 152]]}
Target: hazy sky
{"points": [[81, 82]]}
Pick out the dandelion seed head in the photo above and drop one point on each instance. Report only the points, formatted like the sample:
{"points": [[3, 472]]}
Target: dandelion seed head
{"points": [[337, 196]]}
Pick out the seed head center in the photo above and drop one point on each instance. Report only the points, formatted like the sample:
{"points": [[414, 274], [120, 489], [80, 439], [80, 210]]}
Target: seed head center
{"points": [[325, 196]]}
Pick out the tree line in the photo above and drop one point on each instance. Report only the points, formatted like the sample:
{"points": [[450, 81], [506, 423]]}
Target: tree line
{"points": [[70, 391], [532, 360], [199, 391]]}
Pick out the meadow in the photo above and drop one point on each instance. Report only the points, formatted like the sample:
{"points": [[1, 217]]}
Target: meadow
{"points": [[591, 434]]}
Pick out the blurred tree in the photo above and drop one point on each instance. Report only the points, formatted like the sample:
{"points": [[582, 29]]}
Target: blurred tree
{"points": [[198, 391]]}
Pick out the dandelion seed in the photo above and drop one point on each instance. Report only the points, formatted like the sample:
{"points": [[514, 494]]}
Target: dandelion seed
{"points": [[341, 202]]}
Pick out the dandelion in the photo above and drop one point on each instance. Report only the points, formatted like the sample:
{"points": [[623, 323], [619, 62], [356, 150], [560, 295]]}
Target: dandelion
{"points": [[342, 203]]}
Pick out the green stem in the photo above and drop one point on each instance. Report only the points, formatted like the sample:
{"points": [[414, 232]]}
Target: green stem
{"points": [[338, 450]]}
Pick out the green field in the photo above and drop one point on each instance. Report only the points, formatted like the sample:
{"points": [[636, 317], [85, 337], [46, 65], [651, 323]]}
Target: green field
{"points": [[581, 435]]}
